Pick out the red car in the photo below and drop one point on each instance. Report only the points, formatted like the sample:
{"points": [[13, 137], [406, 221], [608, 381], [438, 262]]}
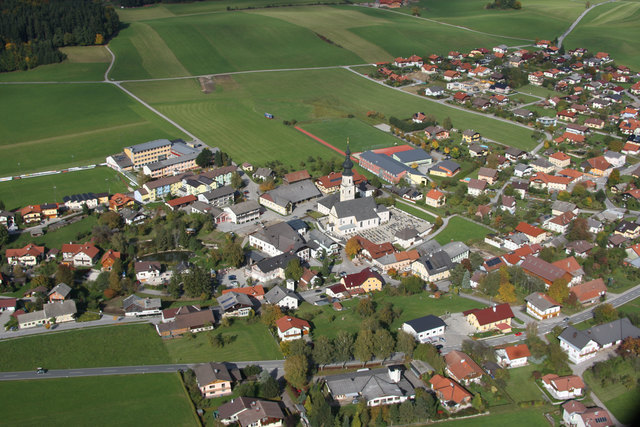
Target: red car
{"points": [[518, 334]]}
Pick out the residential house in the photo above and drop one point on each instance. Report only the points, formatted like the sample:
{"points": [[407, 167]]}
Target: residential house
{"points": [[263, 174], [434, 90], [278, 239], [542, 306], [366, 279], [583, 345], [508, 204], [452, 395], [522, 169], [542, 165], [560, 223], [579, 248], [291, 328], [560, 160], [450, 75], [533, 233], [80, 255], [271, 268], [376, 387], [628, 229], [60, 292], [108, 259], [120, 201], [436, 132], [433, 267], [551, 183], [255, 291], [462, 368], [60, 312], [562, 388], [597, 166], [187, 322], [282, 298], [134, 305], [147, 271], [423, 329], [514, 154], [495, 317], [476, 187], [469, 136], [513, 356], [476, 150], [576, 414], [615, 159], [435, 198], [589, 292], [31, 214], [522, 113], [488, 174], [215, 379], [221, 196], [28, 256], [243, 212], [8, 305], [559, 207], [7, 219], [572, 268], [235, 304], [251, 412]]}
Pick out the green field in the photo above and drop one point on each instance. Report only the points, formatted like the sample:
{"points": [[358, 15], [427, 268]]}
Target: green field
{"points": [[460, 229], [122, 345], [47, 127], [231, 117], [362, 136], [413, 306], [52, 188], [414, 211], [611, 28], [55, 239], [520, 385], [127, 400], [622, 402], [250, 342], [516, 416]]}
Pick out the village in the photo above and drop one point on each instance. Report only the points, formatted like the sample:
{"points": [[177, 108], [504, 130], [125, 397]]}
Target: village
{"points": [[436, 278]]}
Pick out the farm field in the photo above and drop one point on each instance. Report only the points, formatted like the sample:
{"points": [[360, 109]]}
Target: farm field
{"points": [[52, 188], [121, 345], [610, 28], [537, 18], [412, 306], [132, 400], [249, 342], [362, 136], [231, 117], [47, 127], [460, 229]]}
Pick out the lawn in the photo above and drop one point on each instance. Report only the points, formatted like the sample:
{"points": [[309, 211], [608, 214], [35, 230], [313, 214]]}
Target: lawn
{"points": [[232, 117], [362, 136], [413, 306], [52, 188], [460, 229], [608, 28], [132, 400], [517, 416], [520, 385], [250, 342], [47, 127], [403, 206], [122, 345], [622, 402], [55, 239]]}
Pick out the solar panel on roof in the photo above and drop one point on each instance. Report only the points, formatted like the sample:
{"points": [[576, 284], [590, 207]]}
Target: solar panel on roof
{"points": [[492, 262]]}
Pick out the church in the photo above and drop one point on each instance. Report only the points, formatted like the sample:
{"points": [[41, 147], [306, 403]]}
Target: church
{"points": [[347, 214]]}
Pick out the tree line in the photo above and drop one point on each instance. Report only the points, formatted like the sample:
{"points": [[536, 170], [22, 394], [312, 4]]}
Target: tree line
{"points": [[32, 31]]}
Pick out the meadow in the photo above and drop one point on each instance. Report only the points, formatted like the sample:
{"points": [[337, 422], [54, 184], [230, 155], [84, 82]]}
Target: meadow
{"points": [[362, 136], [127, 400], [52, 188], [611, 28], [78, 232], [121, 345], [47, 127], [231, 117], [460, 229], [249, 342]]}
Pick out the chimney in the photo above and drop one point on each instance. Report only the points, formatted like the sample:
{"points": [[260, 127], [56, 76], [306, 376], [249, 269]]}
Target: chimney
{"points": [[494, 308]]}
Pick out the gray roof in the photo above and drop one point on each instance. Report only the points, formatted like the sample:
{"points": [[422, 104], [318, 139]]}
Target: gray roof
{"points": [[277, 294], [576, 338], [244, 207], [149, 145], [429, 247], [61, 288], [603, 334], [231, 300], [454, 249], [297, 192], [384, 162], [561, 206], [370, 384], [263, 172], [62, 308], [426, 323], [134, 303], [415, 155], [172, 161], [273, 263], [282, 236], [406, 233], [542, 162], [363, 208], [447, 164], [207, 373], [242, 405], [537, 300], [437, 262]]}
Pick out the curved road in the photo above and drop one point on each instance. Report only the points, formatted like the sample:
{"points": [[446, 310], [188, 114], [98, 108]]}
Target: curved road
{"points": [[578, 19]]}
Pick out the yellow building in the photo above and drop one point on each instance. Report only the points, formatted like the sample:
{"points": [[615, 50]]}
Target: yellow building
{"points": [[367, 280], [490, 318], [148, 152]]}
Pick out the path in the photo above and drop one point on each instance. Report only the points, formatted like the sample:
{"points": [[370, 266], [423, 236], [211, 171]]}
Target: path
{"points": [[577, 21], [320, 140]]}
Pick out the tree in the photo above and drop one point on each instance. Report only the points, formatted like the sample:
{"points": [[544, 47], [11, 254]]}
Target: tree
{"points": [[326, 264], [559, 290], [64, 274], [438, 222], [364, 346], [406, 412], [296, 369], [630, 347], [197, 283], [236, 180], [383, 344], [343, 345], [447, 124], [232, 252], [269, 388], [466, 280], [320, 413], [614, 178], [365, 307], [477, 402], [352, 248], [41, 280], [605, 313], [506, 291], [175, 286], [294, 270], [579, 230], [268, 184], [4, 235], [270, 313], [405, 343], [615, 145], [428, 353], [111, 219], [204, 158], [323, 351], [115, 283]]}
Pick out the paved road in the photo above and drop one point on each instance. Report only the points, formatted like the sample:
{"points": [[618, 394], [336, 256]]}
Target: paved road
{"points": [[272, 366], [578, 19]]}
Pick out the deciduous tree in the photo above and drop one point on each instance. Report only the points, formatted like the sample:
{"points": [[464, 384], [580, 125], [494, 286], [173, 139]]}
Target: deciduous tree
{"points": [[296, 369], [364, 346], [559, 290], [352, 248]]}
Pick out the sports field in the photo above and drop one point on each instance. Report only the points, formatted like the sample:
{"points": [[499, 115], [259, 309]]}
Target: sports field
{"points": [[611, 28], [362, 136], [52, 188], [127, 400], [48, 127]]}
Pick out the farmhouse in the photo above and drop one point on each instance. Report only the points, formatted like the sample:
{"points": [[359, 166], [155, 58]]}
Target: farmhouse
{"points": [[188, 322], [424, 328], [542, 306], [495, 317], [27, 256]]}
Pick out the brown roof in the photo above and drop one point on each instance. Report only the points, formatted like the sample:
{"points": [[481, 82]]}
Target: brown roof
{"points": [[375, 250], [193, 320], [566, 383], [434, 194], [357, 279], [182, 200], [517, 351], [492, 173], [461, 366], [543, 269], [599, 163], [448, 390], [86, 248], [335, 178], [491, 314], [589, 290], [529, 230], [30, 249], [253, 291], [287, 322], [296, 176]]}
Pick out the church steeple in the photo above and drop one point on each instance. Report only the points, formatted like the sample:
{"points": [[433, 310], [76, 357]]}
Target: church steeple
{"points": [[347, 187], [348, 164]]}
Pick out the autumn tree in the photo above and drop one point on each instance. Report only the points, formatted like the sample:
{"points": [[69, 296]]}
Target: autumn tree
{"points": [[363, 348], [630, 347], [614, 178], [559, 290], [579, 230], [267, 185], [365, 307], [605, 313], [352, 248], [296, 369], [270, 313], [506, 291]]}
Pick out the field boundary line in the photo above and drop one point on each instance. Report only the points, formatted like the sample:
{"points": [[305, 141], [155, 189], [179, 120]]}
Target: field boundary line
{"points": [[320, 140]]}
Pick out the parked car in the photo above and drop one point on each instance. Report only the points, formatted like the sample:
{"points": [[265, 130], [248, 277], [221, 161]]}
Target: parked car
{"points": [[41, 371], [518, 334], [233, 277]]}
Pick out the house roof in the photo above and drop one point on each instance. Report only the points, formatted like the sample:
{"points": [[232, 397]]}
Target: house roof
{"points": [[8, 302], [86, 248], [599, 163], [426, 323], [28, 250], [188, 320], [256, 291], [277, 294], [375, 250], [207, 373], [462, 366], [589, 290], [491, 314], [250, 410], [141, 266], [296, 176], [570, 265], [232, 300], [369, 384], [357, 279], [449, 389], [542, 268], [566, 383], [488, 172], [282, 236], [560, 156], [517, 351], [614, 331], [529, 230], [110, 254], [62, 308], [541, 301], [335, 178], [477, 184], [62, 289], [288, 322], [182, 201]]}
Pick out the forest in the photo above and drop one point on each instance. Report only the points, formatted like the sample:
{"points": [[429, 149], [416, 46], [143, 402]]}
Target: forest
{"points": [[31, 31], [138, 3]]}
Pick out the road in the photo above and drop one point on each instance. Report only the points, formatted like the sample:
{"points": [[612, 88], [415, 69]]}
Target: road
{"points": [[272, 366], [577, 21]]}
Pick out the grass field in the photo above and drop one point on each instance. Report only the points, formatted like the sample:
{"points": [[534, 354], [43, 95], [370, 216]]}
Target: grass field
{"points": [[413, 211], [127, 400], [231, 117], [520, 385], [610, 28], [460, 229], [412, 307], [48, 127], [251, 342], [55, 239], [122, 345], [52, 188], [362, 136], [622, 402], [517, 416]]}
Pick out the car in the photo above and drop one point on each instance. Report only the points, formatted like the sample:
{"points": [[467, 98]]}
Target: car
{"points": [[518, 334], [342, 273], [566, 319], [41, 371], [439, 347], [233, 277], [246, 192], [234, 283]]}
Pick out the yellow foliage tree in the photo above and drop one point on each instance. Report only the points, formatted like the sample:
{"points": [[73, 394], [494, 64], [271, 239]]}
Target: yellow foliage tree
{"points": [[99, 39], [559, 290], [352, 247], [507, 292]]}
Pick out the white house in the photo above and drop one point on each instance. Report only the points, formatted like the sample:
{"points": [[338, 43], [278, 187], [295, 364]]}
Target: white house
{"points": [[80, 255], [424, 329], [562, 388], [576, 414], [147, 271], [282, 298], [513, 356], [542, 306], [62, 311], [291, 328], [133, 305]]}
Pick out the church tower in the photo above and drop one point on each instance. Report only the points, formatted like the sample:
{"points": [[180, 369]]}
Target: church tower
{"points": [[347, 188]]}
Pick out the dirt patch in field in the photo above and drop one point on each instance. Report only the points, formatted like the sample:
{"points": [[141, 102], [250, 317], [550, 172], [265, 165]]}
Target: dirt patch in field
{"points": [[207, 84], [227, 82]]}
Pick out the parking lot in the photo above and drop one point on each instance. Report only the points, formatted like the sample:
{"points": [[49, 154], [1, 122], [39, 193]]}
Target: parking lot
{"points": [[457, 330]]}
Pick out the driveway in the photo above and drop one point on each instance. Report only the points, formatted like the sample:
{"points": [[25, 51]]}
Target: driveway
{"points": [[457, 330]]}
